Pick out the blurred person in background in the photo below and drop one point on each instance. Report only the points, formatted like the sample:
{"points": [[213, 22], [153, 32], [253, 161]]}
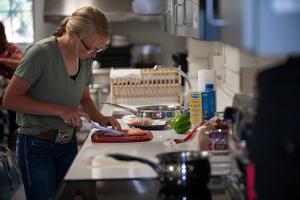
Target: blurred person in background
{"points": [[10, 56], [50, 93]]}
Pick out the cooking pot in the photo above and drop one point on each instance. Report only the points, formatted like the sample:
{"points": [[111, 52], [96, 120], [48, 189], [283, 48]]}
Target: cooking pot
{"points": [[166, 112], [177, 170]]}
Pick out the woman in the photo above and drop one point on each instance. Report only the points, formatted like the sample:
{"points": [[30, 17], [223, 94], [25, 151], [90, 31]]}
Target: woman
{"points": [[50, 93], [10, 56]]}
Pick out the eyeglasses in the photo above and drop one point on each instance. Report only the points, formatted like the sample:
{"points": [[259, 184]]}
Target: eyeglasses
{"points": [[91, 51]]}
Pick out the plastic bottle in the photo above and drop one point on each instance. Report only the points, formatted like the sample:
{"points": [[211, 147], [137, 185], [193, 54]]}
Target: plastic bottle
{"points": [[208, 101]]}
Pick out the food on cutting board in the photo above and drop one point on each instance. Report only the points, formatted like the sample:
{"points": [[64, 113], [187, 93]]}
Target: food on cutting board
{"points": [[131, 131], [136, 131], [106, 133]]}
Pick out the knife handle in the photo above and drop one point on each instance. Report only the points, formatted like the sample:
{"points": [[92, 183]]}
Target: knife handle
{"points": [[86, 125]]}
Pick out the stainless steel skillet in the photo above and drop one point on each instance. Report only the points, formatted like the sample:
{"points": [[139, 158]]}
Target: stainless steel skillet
{"points": [[166, 112]]}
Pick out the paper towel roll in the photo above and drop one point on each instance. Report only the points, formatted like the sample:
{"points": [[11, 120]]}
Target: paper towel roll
{"points": [[206, 76]]}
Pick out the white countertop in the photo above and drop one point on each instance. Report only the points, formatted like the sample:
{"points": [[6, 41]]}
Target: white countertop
{"points": [[91, 162]]}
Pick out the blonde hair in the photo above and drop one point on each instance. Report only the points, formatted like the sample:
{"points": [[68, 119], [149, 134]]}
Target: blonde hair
{"points": [[84, 20]]}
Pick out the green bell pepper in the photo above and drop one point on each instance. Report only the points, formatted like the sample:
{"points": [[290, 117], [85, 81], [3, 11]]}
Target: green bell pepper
{"points": [[181, 123]]}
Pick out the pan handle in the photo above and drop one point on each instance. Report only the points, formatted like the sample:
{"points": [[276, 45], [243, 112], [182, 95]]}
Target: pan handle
{"points": [[136, 113], [123, 157]]}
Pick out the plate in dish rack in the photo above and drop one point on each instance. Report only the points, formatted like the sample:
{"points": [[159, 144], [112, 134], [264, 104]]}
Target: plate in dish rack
{"points": [[144, 123]]}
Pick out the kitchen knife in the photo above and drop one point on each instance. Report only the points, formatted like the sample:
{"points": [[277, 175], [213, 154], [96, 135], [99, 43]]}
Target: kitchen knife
{"points": [[86, 125]]}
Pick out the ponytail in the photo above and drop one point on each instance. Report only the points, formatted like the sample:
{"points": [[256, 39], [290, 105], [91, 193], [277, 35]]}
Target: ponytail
{"points": [[61, 29], [83, 20]]}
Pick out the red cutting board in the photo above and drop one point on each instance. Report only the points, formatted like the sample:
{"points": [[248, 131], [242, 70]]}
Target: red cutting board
{"points": [[98, 137]]}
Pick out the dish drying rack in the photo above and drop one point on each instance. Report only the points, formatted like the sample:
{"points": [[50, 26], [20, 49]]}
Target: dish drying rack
{"points": [[162, 86]]}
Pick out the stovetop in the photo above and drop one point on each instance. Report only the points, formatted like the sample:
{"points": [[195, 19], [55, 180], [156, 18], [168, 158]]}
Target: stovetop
{"points": [[144, 190]]}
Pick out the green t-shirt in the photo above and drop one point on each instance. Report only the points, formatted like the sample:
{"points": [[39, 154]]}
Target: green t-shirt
{"points": [[43, 67]]}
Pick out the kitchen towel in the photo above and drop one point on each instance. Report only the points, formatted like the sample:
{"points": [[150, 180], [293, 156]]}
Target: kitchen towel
{"points": [[206, 76], [125, 73]]}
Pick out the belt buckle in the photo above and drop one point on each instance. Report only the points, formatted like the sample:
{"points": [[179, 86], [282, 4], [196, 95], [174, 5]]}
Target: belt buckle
{"points": [[64, 136]]}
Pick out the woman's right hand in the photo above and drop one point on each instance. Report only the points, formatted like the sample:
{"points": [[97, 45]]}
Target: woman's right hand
{"points": [[72, 117]]}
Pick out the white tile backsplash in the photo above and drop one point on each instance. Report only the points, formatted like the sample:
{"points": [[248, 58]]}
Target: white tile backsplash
{"points": [[217, 62], [247, 79], [232, 79], [199, 49], [236, 71], [195, 64], [266, 62], [232, 60], [247, 61], [194, 83], [224, 97]]}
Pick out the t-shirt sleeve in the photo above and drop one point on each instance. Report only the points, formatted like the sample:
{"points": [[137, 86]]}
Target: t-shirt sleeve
{"points": [[31, 66]]}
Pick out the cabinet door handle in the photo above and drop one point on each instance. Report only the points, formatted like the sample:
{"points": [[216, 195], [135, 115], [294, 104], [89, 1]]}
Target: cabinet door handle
{"points": [[165, 16], [210, 15], [176, 13], [184, 21]]}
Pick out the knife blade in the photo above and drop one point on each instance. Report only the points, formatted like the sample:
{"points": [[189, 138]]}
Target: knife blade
{"points": [[99, 127]]}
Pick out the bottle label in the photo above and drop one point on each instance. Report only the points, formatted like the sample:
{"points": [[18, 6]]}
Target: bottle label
{"points": [[208, 104], [195, 108]]}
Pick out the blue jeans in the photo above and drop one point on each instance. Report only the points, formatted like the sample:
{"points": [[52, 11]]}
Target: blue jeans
{"points": [[43, 164]]}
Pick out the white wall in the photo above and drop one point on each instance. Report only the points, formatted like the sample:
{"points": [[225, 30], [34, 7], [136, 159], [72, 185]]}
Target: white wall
{"points": [[236, 70], [146, 32]]}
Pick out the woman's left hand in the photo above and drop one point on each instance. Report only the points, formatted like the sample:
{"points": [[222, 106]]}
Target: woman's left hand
{"points": [[110, 121]]}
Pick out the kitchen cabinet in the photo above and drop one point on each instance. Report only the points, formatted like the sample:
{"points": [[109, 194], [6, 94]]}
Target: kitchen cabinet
{"points": [[269, 27], [115, 10], [169, 17], [186, 15], [189, 18], [266, 27]]}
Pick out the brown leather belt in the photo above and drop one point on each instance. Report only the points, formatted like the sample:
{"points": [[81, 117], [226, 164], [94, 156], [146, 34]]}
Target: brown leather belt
{"points": [[47, 135], [59, 136]]}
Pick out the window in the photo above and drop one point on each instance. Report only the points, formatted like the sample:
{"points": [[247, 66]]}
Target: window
{"points": [[17, 17]]}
